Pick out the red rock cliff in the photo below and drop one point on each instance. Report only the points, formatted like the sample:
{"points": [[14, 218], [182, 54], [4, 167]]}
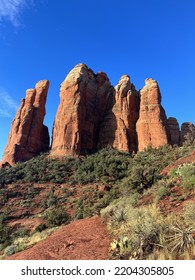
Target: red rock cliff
{"points": [[28, 135], [151, 125], [84, 100], [174, 131], [126, 110]]}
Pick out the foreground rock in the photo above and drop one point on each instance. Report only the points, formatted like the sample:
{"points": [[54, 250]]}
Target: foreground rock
{"points": [[151, 125], [28, 135], [85, 239]]}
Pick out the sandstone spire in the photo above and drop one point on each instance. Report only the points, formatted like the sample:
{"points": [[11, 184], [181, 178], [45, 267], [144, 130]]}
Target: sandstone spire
{"points": [[151, 125], [126, 111], [174, 131], [28, 135], [84, 99]]}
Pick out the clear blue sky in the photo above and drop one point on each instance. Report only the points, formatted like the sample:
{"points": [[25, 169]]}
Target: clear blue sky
{"points": [[45, 39]]}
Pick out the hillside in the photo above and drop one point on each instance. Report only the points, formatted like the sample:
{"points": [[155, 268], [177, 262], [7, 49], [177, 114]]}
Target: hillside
{"points": [[146, 207]]}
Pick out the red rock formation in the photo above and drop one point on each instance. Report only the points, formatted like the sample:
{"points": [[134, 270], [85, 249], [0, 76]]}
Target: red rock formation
{"points": [[84, 99], [174, 131], [151, 125], [28, 135], [187, 132], [126, 111]]}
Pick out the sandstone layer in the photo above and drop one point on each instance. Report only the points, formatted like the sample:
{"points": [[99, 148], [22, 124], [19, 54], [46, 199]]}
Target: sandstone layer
{"points": [[28, 135], [151, 125]]}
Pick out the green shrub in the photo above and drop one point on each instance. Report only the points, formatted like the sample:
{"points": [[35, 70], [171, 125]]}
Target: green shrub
{"points": [[40, 227], [189, 213], [180, 239], [57, 217], [5, 234], [10, 250], [20, 232]]}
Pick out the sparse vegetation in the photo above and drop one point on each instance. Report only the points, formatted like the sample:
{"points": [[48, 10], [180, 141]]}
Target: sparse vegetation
{"points": [[57, 216], [109, 182]]}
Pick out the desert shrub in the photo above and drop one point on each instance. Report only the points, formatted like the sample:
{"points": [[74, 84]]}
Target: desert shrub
{"points": [[187, 173], [180, 239], [161, 189], [140, 177], [3, 196], [51, 199], [83, 208], [5, 234], [10, 250], [5, 215], [188, 176], [161, 192], [57, 216], [20, 232], [107, 165], [189, 213], [40, 227], [144, 233]]}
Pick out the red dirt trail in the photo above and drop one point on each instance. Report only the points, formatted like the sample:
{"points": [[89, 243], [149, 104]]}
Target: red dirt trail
{"points": [[85, 239]]}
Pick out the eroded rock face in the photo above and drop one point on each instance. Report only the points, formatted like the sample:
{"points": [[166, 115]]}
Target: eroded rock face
{"points": [[151, 125], [28, 135], [84, 100], [126, 111], [174, 131], [187, 132]]}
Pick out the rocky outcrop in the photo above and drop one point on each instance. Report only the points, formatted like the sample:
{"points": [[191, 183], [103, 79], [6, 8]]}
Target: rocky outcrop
{"points": [[151, 125], [84, 100], [187, 132], [92, 114], [126, 111], [28, 135], [174, 131]]}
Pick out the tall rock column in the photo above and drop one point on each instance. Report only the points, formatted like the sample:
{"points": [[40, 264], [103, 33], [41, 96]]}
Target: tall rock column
{"points": [[28, 135], [84, 99], [151, 125], [174, 131], [126, 111]]}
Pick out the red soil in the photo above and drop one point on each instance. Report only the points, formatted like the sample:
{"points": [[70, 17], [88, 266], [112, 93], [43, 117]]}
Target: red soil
{"points": [[85, 239]]}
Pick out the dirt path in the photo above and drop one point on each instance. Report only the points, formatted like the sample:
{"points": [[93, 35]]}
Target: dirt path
{"points": [[85, 239]]}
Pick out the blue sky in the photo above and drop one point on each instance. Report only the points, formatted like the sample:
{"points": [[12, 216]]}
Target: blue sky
{"points": [[45, 39]]}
